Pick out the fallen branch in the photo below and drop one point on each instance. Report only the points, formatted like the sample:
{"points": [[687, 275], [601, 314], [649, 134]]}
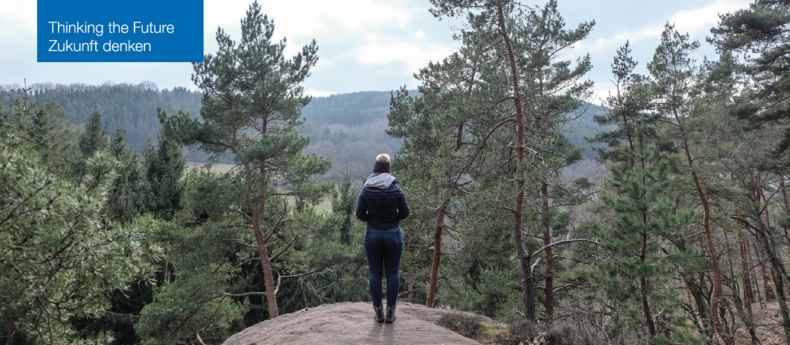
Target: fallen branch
{"points": [[254, 293], [200, 340]]}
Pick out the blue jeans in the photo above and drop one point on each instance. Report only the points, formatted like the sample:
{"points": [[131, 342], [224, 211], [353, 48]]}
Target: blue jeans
{"points": [[383, 249]]}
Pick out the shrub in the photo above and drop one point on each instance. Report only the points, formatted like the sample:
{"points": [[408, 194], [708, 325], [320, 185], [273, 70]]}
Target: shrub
{"points": [[469, 326], [520, 331], [569, 334]]}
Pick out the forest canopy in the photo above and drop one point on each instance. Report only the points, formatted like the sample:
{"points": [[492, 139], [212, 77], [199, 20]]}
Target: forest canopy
{"points": [[659, 216]]}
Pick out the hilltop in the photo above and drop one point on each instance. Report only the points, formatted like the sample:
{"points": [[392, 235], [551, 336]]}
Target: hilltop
{"points": [[352, 323]]}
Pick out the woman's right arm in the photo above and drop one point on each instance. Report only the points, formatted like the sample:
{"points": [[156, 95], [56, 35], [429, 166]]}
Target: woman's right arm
{"points": [[362, 207]]}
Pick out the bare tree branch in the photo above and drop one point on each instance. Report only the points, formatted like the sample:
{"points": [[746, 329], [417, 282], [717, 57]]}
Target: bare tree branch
{"points": [[563, 242], [284, 249]]}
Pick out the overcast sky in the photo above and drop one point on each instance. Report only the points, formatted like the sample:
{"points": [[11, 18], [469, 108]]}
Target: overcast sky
{"points": [[365, 44]]}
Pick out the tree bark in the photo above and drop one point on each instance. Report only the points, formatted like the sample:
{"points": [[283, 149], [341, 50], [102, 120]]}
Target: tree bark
{"points": [[699, 299], [651, 326], [410, 275], [437, 252], [748, 294], [527, 288], [767, 284], [263, 255], [779, 274], [549, 271], [458, 137], [746, 303], [784, 194], [716, 295], [784, 199]]}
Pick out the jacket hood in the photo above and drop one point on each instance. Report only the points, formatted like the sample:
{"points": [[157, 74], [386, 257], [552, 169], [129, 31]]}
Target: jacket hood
{"points": [[380, 180]]}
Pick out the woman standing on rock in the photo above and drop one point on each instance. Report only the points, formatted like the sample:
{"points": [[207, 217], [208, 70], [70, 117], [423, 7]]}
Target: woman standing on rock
{"points": [[382, 205]]}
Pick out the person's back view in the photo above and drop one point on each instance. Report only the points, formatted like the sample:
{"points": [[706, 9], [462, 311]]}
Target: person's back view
{"points": [[382, 205]]}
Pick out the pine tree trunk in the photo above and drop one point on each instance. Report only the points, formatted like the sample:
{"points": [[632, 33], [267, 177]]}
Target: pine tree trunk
{"points": [[529, 289], [778, 273], [410, 275], [748, 294], [549, 271], [460, 134], [756, 283], [767, 284], [437, 252], [784, 199], [651, 326], [716, 295], [263, 254], [784, 194], [524, 258], [699, 300], [745, 306]]}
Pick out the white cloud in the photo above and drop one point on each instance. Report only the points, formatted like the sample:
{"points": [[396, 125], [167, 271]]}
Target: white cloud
{"points": [[311, 17], [316, 93], [687, 21], [414, 55], [24, 11]]}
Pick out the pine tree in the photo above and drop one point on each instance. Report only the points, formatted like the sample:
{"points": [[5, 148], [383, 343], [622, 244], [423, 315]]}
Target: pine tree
{"points": [[93, 136], [343, 204], [251, 111], [92, 139], [630, 101], [64, 254], [127, 199], [643, 220], [164, 171], [498, 13], [759, 32], [554, 94], [542, 90], [437, 154], [673, 72]]}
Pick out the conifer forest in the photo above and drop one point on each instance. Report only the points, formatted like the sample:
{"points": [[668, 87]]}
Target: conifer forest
{"points": [[655, 214]]}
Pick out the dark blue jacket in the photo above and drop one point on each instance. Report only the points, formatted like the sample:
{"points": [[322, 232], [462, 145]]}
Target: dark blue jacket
{"points": [[382, 208]]}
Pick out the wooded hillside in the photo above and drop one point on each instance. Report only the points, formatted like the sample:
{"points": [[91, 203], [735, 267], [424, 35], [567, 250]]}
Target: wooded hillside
{"points": [[347, 129]]}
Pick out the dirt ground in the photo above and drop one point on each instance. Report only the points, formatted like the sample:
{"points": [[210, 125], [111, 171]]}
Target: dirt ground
{"points": [[352, 323], [768, 322]]}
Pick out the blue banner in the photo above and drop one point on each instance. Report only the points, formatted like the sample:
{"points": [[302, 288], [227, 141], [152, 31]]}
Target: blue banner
{"points": [[120, 31]]}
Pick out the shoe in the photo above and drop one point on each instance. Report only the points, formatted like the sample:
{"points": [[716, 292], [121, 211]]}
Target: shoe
{"points": [[379, 317], [390, 318]]}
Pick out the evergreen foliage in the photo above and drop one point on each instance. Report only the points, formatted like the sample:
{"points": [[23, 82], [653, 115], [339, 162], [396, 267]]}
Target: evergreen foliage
{"points": [[63, 253], [680, 244], [251, 110], [643, 219]]}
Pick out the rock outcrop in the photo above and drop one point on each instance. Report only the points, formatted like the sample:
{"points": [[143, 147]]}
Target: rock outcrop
{"points": [[352, 323]]}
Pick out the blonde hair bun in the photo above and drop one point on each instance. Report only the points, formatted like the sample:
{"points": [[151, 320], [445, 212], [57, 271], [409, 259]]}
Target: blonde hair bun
{"points": [[383, 158]]}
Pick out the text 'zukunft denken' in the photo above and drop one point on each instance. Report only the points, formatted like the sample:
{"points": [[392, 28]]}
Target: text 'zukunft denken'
{"points": [[98, 30]]}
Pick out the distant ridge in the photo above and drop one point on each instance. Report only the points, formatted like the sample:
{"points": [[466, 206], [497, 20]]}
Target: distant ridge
{"points": [[348, 128]]}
